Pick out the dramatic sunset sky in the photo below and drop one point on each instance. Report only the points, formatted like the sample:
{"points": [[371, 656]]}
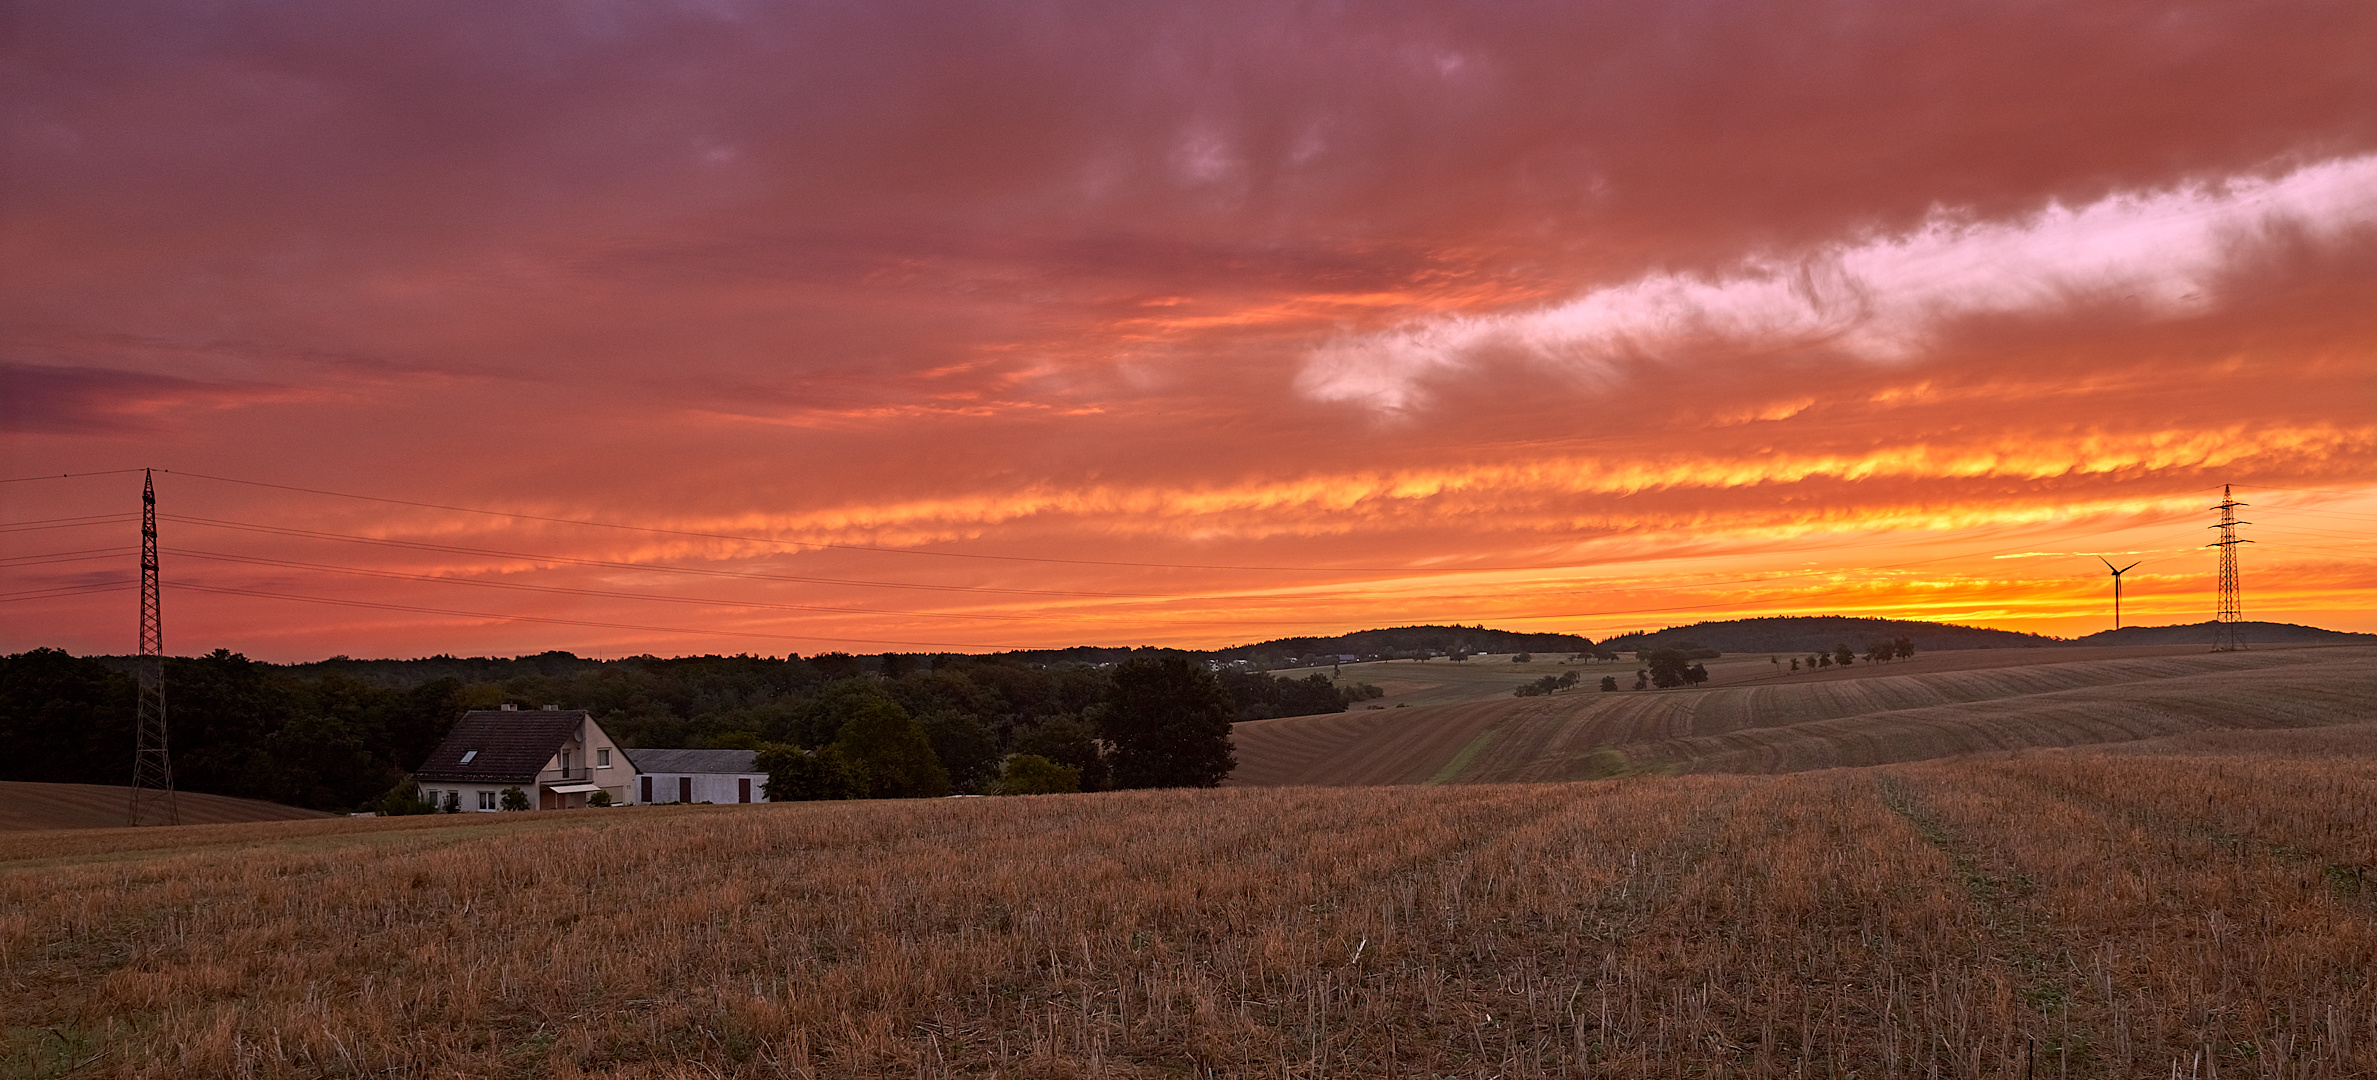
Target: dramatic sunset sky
{"points": [[867, 326]]}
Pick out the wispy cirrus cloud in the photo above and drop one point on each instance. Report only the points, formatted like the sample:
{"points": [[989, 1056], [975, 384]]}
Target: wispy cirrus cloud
{"points": [[2162, 254]]}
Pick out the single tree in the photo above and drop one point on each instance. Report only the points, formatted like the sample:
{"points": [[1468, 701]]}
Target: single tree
{"points": [[1609, 683], [1844, 655], [1168, 721], [1642, 679], [1668, 667], [1695, 675], [1794, 663]]}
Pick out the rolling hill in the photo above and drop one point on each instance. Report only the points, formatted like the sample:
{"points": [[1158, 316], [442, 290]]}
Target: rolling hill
{"points": [[1936, 705], [27, 805], [2255, 633], [1811, 633]]}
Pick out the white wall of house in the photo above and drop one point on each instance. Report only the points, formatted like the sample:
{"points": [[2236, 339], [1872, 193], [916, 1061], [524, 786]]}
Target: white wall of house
{"points": [[473, 798], [702, 787]]}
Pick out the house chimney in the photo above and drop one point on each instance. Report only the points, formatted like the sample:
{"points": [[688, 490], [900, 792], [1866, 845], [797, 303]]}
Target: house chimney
{"points": [[509, 707]]}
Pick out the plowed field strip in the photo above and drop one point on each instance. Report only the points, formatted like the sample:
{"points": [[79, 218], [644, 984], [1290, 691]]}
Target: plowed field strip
{"points": [[1361, 748]]}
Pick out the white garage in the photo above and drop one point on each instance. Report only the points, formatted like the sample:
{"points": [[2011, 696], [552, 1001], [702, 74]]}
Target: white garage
{"points": [[698, 776]]}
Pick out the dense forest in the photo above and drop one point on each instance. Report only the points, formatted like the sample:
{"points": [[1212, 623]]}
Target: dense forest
{"points": [[338, 734]]}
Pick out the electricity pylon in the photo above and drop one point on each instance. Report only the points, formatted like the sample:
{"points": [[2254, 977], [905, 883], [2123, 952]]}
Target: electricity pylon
{"points": [[2228, 629], [152, 769]]}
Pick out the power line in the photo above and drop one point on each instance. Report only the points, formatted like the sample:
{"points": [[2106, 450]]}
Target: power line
{"points": [[83, 555], [78, 517], [67, 590], [72, 475], [117, 519]]}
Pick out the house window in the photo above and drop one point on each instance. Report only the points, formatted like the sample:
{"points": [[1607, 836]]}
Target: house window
{"points": [[602, 758], [486, 800], [467, 755]]}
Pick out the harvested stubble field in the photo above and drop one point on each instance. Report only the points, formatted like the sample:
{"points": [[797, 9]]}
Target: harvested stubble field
{"points": [[2204, 904], [1935, 705]]}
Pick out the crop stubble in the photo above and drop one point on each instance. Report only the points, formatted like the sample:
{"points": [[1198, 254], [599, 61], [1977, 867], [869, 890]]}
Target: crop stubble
{"points": [[2073, 912]]}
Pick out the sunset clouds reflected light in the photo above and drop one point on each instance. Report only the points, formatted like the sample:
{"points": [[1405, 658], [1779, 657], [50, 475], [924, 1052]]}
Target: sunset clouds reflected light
{"points": [[1083, 323]]}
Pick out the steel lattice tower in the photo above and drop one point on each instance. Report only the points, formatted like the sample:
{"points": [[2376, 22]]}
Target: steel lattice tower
{"points": [[152, 769], [2228, 630]]}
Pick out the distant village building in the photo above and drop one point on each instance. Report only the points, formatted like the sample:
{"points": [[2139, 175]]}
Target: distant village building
{"points": [[699, 776], [557, 757]]}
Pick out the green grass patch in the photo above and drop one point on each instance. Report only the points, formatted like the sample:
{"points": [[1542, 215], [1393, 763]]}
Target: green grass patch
{"points": [[1452, 769]]}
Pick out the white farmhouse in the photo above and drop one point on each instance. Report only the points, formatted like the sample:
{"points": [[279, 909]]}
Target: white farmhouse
{"points": [[699, 776], [557, 757]]}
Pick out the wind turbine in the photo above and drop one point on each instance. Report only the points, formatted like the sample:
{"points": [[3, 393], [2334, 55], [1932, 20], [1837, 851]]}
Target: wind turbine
{"points": [[2116, 586]]}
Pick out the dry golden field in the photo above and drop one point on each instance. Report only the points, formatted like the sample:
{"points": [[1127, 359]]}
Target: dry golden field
{"points": [[1934, 705], [2203, 905]]}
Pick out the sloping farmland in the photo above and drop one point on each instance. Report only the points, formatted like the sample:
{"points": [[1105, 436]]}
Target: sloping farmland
{"points": [[26, 805], [1931, 707]]}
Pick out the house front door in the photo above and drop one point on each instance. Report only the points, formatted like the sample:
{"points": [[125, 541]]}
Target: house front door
{"points": [[647, 791], [743, 789], [684, 789]]}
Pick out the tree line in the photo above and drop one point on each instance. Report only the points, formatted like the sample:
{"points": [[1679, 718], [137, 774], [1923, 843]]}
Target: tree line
{"points": [[341, 734]]}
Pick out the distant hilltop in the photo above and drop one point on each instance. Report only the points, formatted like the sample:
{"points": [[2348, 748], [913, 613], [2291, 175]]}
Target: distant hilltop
{"points": [[2253, 633], [1812, 633], [1389, 644]]}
